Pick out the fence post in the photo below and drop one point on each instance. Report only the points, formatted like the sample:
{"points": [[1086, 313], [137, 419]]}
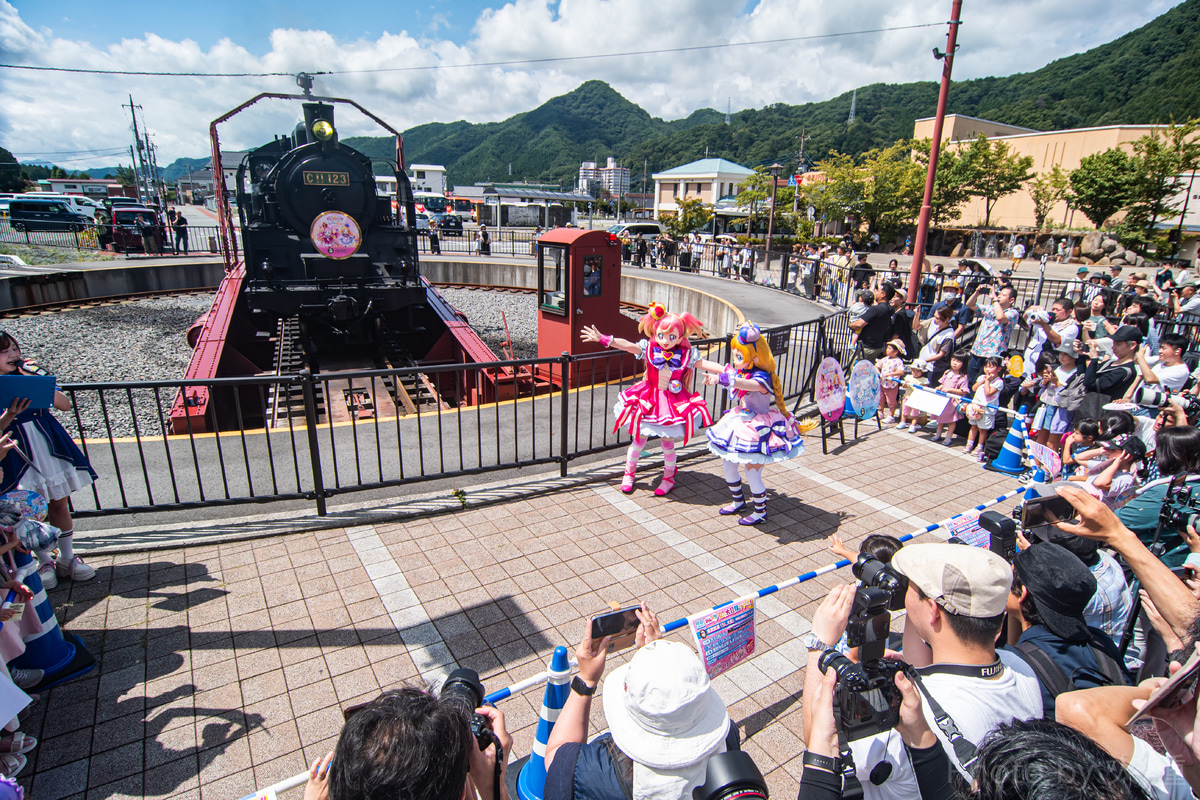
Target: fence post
{"points": [[818, 354], [565, 360], [314, 450]]}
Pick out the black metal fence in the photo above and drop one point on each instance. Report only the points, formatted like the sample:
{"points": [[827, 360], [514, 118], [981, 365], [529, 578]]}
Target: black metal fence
{"points": [[123, 427], [124, 239]]}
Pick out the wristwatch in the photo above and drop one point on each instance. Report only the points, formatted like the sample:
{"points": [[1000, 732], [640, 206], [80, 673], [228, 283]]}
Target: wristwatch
{"points": [[827, 763], [811, 641], [579, 686]]}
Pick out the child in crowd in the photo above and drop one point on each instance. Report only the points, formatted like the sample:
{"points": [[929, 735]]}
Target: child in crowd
{"points": [[916, 378], [877, 545], [1079, 441], [862, 301], [891, 372], [954, 381], [1039, 385], [981, 412], [1113, 480], [1053, 420]]}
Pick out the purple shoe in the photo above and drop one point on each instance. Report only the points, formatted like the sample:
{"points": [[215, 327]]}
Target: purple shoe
{"points": [[752, 519]]}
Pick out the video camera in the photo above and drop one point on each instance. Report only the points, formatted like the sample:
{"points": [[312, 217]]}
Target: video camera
{"points": [[866, 699], [1154, 397], [462, 688]]}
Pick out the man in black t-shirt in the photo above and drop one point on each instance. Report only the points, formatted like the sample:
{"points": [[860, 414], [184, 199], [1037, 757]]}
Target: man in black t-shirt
{"points": [[862, 273], [874, 328]]}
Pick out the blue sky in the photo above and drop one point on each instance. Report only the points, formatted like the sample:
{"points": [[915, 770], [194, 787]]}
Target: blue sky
{"points": [[250, 23], [52, 112]]}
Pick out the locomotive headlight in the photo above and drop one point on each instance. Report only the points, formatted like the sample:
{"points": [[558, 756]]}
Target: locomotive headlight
{"points": [[322, 130]]}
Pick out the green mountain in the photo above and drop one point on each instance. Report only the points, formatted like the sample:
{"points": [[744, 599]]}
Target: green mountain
{"points": [[1147, 76]]}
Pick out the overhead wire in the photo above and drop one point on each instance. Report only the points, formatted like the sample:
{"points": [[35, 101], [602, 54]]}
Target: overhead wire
{"points": [[477, 65]]}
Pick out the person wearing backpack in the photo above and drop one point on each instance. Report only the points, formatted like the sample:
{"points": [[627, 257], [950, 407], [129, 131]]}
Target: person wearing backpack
{"points": [[1050, 592]]}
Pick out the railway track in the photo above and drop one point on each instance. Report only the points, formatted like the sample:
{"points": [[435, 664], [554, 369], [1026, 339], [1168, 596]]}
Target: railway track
{"points": [[97, 302]]}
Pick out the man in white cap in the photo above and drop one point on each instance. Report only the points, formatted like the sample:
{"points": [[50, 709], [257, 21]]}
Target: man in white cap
{"points": [[664, 717], [955, 605]]}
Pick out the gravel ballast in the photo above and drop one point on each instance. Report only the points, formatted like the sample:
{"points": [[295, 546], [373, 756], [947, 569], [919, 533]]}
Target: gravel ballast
{"points": [[144, 340]]}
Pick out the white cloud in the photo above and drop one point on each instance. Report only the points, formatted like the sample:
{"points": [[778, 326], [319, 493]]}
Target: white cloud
{"points": [[57, 111]]}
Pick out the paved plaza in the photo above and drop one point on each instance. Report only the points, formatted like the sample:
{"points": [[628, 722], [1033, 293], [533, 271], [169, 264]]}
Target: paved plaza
{"points": [[225, 667]]}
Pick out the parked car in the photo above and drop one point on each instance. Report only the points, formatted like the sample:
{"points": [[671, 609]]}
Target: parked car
{"points": [[422, 221], [448, 224], [127, 226], [636, 229], [44, 214]]}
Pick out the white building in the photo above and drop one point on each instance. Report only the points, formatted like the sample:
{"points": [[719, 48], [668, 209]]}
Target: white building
{"points": [[611, 178], [427, 178], [708, 179]]}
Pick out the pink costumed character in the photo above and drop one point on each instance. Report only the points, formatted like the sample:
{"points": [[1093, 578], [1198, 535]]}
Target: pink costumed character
{"points": [[662, 404]]}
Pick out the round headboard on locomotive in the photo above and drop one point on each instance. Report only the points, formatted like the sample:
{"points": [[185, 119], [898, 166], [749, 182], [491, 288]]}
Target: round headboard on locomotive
{"points": [[319, 242]]}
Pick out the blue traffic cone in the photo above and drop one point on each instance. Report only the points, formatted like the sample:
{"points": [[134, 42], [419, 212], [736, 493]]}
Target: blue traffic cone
{"points": [[61, 657], [1009, 461], [532, 781]]}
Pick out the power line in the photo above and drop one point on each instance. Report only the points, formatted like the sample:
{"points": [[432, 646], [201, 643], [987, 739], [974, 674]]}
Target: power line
{"points": [[102, 151], [514, 62]]}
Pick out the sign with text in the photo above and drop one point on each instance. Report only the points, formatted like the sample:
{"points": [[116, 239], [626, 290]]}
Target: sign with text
{"points": [[1047, 459], [326, 178], [724, 636], [967, 529]]}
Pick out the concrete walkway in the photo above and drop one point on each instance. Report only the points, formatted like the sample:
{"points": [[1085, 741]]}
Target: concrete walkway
{"points": [[226, 666]]}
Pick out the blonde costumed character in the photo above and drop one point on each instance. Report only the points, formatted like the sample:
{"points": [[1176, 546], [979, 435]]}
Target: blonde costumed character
{"points": [[751, 433], [662, 404]]}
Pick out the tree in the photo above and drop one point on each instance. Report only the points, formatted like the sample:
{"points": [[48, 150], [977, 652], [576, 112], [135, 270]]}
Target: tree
{"points": [[10, 173], [754, 192], [949, 184], [1102, 184], [692, 215], [994, 172], [1160, 162], [892, 188], [1046, 190], [125, 176], [841, 193]]}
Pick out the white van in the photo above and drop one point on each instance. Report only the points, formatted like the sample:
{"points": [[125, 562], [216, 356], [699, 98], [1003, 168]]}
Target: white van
{"points": [[636, 229], [77, 203]]}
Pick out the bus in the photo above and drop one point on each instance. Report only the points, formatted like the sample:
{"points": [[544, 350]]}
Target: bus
{"points": [[431, 203], [464, 207]]}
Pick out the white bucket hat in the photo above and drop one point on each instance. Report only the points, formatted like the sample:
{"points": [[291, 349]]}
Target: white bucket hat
{"points": [[661, 708]]}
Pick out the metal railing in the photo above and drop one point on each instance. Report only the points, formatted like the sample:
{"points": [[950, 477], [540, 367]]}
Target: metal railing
{"points": [[122, 426], [198, 239]]}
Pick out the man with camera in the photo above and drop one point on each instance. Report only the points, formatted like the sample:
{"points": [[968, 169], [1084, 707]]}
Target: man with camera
{"points": [[1185, 303], [996, 323], [665, 722], [955, 597], [408, 743]]}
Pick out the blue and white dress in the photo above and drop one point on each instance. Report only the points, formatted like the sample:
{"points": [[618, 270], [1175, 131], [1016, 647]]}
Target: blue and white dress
{"points": [[59, 467], [752, 432]]}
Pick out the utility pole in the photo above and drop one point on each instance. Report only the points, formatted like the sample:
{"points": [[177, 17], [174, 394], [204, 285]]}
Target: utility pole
{"points": [[802, 166], [141, 157], [914, 275]]}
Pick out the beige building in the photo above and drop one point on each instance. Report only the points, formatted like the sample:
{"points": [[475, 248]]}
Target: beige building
{"points": [[1049, 148], [708, 179]]}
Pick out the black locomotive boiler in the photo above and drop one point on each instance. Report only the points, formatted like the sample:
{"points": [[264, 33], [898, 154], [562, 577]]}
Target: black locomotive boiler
{"points": [[322, 246]]}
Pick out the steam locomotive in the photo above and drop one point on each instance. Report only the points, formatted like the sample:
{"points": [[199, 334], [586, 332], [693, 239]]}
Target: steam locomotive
{"points": [[321, 245]]}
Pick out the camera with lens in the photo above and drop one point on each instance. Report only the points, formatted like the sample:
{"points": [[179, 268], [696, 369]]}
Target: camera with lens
{"points": [[866, 699], [729, 775], [462, 688], [874, 573], [1149, 396], [1179, 508]]}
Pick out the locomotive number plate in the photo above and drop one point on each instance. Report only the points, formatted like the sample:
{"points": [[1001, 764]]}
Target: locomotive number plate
{"points": [[326, 178]]}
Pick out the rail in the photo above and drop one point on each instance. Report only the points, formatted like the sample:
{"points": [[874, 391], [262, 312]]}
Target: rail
{"points": [[122, 427]]}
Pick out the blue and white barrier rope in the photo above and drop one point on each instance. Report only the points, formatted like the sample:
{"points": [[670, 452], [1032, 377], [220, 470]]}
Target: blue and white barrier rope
{"points": [[967, 400]]}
